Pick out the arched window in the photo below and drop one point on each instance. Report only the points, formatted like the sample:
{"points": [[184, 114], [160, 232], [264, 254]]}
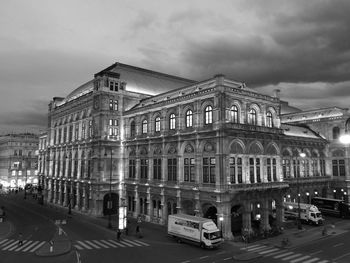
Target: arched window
{"points": [[234, 114], [252, 117], [208, 115], [157, 124], [189, 119], [132, 129], [269, 120], [144, 126], [172, 121], [336, 132]]}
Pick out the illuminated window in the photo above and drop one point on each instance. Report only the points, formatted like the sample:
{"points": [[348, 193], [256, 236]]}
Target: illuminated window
{"points": [[189, 118], [269, 120], [208, 115], [234, 114], [252, 117], [157, 124], [172, 121], [144, 126]]}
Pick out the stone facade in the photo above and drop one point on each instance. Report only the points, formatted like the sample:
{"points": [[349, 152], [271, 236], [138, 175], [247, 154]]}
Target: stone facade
{"points": [[18, 160], [213, 148]]}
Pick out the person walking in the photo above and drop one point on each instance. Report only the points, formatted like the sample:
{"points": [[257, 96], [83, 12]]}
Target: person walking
{"points": [[20, 239], [138, 231], [119, 233]]}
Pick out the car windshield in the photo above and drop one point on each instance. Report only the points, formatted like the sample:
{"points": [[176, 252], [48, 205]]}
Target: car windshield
{"points": [[215, 235]]}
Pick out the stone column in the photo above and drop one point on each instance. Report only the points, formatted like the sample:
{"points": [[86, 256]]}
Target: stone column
{"points": [[84, 196], [49, 192], [279, 213], [178, 201], [137, 201], [78, 203], [65, 201], [265, 226], [246, 217]]}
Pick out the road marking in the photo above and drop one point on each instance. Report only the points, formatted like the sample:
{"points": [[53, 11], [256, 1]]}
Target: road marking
{"points": [[251, 246], [84, 245], [3, 241], [282, 255], [317, 252], [116, 243], [142, 243], [108, 243], [337, 245], [299, 259], [203, 257], [292, 256], [78, 247], [26, 244], [268, 251], [100, 244], [13, 243], [30, 246], [257, 248], [187, 261], [38, 246], [92, 244], [227, 259], [335, 259], [129, 241], [311, 260], [7, 242], [323, 261], [222, 252]]}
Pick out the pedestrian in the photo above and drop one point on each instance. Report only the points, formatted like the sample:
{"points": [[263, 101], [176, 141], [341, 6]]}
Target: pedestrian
{"points": [[20, 239], [119, 233], [138, 231]]}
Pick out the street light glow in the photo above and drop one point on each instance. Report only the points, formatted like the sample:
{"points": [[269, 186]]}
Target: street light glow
{"points": [[345, 138], [302, 155]]}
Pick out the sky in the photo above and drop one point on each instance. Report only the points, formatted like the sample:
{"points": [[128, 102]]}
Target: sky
{"points": [[49, 48]]}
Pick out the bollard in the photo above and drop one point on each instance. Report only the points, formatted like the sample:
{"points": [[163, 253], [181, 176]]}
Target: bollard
{"points": [[51, 246]]}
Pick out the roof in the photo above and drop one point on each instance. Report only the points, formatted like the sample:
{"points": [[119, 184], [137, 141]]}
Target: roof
{"points": [[321, 113], [146, 81], [300, 131]]}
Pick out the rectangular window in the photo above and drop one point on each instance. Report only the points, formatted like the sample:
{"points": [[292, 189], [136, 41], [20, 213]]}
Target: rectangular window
{"points": [[232, 170], [295, 168], [274, 169], [132, 168], [269, 169], [112, 127], [90, 129], [111, 85], [76, 132], [70, 135], [115, 105], [209, 170], [338, 167], [257, 163], [251, 170], [144, 168], [157, 169], [64, 134], [83, 131], [111, 104], [172, 169], [189, 169], [341, 167]]}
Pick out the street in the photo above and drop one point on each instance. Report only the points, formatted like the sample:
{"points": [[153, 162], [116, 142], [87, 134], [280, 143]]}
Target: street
{"points": [[92, 241]]}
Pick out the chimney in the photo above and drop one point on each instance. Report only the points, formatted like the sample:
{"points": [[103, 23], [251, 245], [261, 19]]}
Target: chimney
{"points": [[276, 93]]}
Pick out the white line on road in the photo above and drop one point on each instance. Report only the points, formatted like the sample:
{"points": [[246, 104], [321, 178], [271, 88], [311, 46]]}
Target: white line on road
{"points": [[108, 243], [222, 252], [292, 256], [268, 251], [2, 241], [342, 256], [339, 244], [142, 243], [227, 259], [100, 244], [203, 257], [299, 259], [92, 244], [311, 260], [317, 252], [30, 246], [84, 245], [37, 247], [187, 261], [282, 255], [25, 245]]}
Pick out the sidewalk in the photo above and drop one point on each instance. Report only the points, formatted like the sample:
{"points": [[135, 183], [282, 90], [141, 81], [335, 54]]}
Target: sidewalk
{"points": [[295, 236]]}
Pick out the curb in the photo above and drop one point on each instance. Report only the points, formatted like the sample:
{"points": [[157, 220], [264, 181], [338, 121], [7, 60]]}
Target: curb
{"points": [[65, 246]]}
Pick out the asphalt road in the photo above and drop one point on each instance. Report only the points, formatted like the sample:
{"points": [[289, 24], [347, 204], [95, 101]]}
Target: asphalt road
{"points": [[94, 242]]}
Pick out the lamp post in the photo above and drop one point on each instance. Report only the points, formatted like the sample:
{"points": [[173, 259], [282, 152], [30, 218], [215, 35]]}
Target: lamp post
{"points": [[25, 182], [302, 155], [109, 202], [345, 139], [221, 219]]}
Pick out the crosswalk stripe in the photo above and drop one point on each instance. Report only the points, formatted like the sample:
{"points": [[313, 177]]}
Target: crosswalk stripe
{"points": [[140, 242], [78, 247], [250, 246], [99, 243], [125, 243], [91, 244], [7, 242], [257, 248], [311, 260], [3, 241], [108, 243], [268, 251], [299, 259], [37, 246], [25, 244], [116, 243], [274, 253], [30, 246], [84, 245], [282, 255], [14, 243], [131, 242], [292, 256], [324, 261]]}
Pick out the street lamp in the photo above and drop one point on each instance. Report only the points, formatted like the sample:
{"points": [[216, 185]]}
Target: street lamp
{"points": [[25, 182], [109, 202], [221, 219], [302, 155]]}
